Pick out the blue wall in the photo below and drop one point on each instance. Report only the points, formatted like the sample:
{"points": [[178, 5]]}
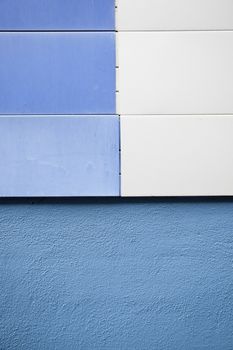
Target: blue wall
{"points": [[116, 274]]}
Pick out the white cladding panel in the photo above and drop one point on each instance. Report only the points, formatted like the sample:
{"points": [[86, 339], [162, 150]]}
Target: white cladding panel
{"points": [[176, 155], [174, 14], [175, 72]]}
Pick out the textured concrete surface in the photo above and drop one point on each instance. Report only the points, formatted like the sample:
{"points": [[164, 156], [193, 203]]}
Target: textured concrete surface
{"points": [[116, 274]]}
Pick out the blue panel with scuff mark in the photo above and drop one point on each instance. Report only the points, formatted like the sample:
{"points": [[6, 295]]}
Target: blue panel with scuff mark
{"points": [[57, 73], [59, 156], [57, 15]]}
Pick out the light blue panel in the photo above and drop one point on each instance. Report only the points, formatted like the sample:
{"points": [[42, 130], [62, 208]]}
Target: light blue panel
{"points": [[57, 14], [57, 73], [59, 156]]}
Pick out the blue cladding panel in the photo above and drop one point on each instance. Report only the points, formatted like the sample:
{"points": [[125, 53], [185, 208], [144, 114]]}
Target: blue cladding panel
{"points": [[57, 73], [59, 156], [57, 14]]}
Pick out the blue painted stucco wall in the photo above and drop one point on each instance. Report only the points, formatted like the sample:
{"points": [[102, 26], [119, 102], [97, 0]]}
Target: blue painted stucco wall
{"points": [[116, 274]]}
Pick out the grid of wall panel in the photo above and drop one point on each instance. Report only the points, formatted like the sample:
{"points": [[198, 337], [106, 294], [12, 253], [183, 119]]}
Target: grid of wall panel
{"points": [[175, 87], [58, 123], [109, 98]]}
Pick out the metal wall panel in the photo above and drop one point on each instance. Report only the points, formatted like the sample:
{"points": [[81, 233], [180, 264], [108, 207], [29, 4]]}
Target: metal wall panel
{"points": [[176, 155], [174, 14], [175, 72], [57, 73], [59, 156], [57, 15]]}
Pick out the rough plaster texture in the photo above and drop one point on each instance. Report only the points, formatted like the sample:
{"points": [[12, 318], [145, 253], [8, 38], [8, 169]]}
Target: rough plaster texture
{"points": [[116, 274]]}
